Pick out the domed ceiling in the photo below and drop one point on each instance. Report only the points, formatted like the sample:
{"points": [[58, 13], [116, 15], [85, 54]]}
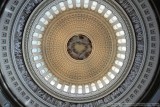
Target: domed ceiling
{"points": [[78, 53]]}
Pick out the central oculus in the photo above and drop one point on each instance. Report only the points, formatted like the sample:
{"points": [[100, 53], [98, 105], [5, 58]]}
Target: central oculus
{"points": [[79, 47]]}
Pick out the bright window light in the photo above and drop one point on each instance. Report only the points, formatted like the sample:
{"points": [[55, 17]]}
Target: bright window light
{"points": [[86, 3], [70, 5], [80, 89], [122, 56], [73, 88], [107, 14], [35, 58], [44, 21], [100, 84], [54, 8], [62, 6], [117, 26], [66, 87], [113, 19], [93, 87], [38, 65], [52, 82], [122, 48], [86, 88], [43, 71], [38, 27], [115, 69], [59, 86], [106, 80], [122, 41], [35, 34], [119, 63], [100, 10], [94, 4], [112, 76], [48, 76], [36, 42], [78, 3], [35, 50], [49, 15]]}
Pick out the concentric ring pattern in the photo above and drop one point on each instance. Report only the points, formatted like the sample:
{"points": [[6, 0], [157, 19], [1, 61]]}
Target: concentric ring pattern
{"points": [[110, 48], [78, 53]]}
